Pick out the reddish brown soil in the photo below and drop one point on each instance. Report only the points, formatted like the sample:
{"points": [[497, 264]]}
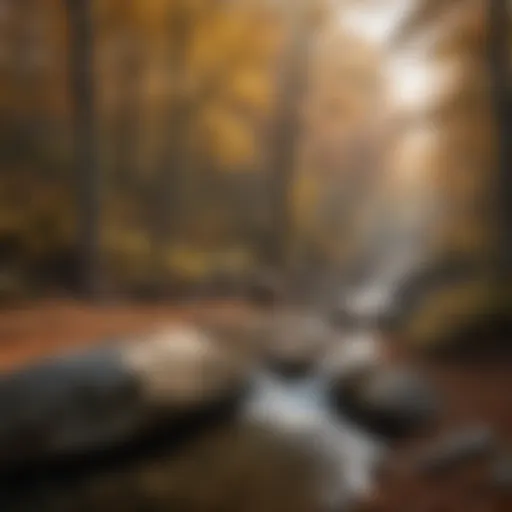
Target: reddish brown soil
{"points": [[472, 392], [35, 330]]}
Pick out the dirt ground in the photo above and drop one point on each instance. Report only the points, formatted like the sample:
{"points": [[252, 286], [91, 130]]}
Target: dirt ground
{"points": [[472, 392]]}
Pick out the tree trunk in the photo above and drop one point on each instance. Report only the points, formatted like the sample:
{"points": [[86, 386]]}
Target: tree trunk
{"points": [[128, 115], [284, 133], [86, 145], [499, 60], [167, 187]]}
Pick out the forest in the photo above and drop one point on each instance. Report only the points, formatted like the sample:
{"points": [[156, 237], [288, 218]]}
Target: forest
{"points": [[172, 148], [255, 255]]}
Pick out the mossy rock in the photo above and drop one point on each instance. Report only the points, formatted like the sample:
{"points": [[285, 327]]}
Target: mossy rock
{"points": [[458, 316]]}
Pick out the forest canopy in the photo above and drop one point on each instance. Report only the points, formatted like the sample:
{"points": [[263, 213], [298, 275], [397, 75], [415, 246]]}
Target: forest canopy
{"points": [[217, 136]]}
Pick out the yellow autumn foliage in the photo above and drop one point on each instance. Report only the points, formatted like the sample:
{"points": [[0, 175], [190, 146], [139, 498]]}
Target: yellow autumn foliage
{"points": [[194, 264], [252, 89], [454, 310], [228, 139]]}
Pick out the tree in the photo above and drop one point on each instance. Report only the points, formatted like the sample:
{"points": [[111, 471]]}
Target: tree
{"points": [[215, 59], [126, 62], [87, 170], [176, 123], [284, 131], [500, 71]]}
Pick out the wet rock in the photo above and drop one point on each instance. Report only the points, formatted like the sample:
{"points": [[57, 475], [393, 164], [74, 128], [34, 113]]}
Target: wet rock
{"points": [[266, 289], [501, 472], [183, 367], [295, 341], [456, 448], [107, 395], [393, 402], [356, 354], [370, 307]]}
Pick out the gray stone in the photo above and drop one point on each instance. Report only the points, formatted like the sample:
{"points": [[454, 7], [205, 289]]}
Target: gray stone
{"points": [[266, 289], [393, 402], [295, 341], [501, 472], [355, 354], [456, 448], [183, 367], [107, 395]]}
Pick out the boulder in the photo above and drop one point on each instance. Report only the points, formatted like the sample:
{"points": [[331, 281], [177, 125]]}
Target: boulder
{"points": [[390, 401], [354, 355], [183, 368], [92, 399], [295, 341], [455, 448], [501, 472]]}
